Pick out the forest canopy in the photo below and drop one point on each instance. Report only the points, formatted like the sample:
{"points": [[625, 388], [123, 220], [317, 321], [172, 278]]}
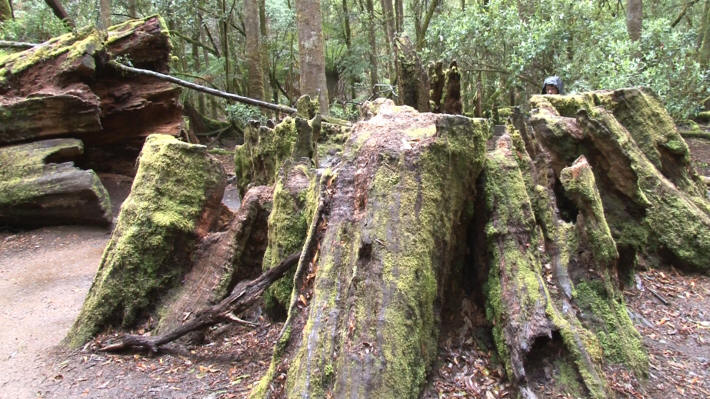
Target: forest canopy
{"points": [[504, 48]]}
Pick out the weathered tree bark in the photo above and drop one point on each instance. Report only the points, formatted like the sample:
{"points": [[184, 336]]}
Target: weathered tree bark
{"points": [[173, 203], [295, 195], [364, 315], [452, 95], [634, 18], [311, 52], [437, 80], [41, 86], [704, 53], [265, 149], [412, 82], [221, 260], [39, 185], [643, 166], [255, 87]]}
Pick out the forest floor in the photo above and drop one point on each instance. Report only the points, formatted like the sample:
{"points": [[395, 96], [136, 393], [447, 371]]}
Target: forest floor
{"points": [[45, 274]]}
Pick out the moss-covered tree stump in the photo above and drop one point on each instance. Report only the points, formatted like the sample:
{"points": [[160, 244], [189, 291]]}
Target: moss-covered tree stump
{"points": [[364, 318], [173, 202]]}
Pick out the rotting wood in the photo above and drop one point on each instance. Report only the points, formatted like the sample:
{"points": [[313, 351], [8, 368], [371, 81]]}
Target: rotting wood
{"points": [[245, 294]]}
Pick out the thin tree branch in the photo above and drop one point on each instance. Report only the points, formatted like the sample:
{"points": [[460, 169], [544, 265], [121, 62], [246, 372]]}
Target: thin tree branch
{"points": [[196, 42], [8, 44], [204, 89]]}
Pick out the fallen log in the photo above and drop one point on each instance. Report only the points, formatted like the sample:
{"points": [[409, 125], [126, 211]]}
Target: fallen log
{"points": [[61, 88], [39, 185], [243, 296]]}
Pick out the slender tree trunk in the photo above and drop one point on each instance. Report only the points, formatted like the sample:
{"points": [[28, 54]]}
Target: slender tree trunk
{"points": [[398, 16], [5, 10], [388, 14], [255, 86], [132, 8], [705, 44], [264, 49], [634, 18], [224, 38], [374, 78], [196, 64], [104, 14], [311, 51]]}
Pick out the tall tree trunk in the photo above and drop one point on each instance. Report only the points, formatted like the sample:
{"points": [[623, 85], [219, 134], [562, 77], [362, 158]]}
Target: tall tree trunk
{"points": [[388, 14], [104, 14], [398, 16], [311, 51], [224, 39], [255, 85], [374, 78], [705, 34], [196, 64], [5, 10], [634, 18], [423, 24], [133, 8]]}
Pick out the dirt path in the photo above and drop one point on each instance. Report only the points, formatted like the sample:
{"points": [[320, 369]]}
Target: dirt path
{"points": [[44, 276]]}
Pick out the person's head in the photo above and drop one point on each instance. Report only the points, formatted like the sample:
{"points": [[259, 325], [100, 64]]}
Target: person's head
{"points": [[551, 89], [552, 85]]}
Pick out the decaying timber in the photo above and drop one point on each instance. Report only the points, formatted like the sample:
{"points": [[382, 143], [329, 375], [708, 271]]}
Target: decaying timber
{"points": [[61, 88], [39, 185], [363, 320]]}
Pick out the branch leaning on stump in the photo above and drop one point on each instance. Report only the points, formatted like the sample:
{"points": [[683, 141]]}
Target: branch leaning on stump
{"points": [[204, 89], [245, 294]]}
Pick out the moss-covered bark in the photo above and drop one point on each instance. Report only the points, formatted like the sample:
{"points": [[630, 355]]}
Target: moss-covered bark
{"points": [[294, 203], [39, 185], [654, 201], [172, 202], [364, 317], [265, 149]]}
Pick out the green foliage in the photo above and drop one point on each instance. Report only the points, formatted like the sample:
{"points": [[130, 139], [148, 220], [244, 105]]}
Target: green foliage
{"points": [[34, 23], [240, 114], [586, 45]]}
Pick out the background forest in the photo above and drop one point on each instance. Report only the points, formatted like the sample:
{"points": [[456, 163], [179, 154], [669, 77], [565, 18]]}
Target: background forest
{"points": [[504, 48]]}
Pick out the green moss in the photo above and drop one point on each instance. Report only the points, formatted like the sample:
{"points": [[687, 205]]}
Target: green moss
{"points": [[703, 116], [385, 263], [156, 224], [613, 327], [294, 205], [264, 150]]}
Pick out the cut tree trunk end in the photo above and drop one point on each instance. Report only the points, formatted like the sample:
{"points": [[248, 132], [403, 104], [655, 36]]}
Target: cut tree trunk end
{"points": [[61, 88], [39, 185]]}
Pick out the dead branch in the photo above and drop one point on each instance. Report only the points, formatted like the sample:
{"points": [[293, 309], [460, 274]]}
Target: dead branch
{"points": [[22, 45], [204, 89], [245, 294]]}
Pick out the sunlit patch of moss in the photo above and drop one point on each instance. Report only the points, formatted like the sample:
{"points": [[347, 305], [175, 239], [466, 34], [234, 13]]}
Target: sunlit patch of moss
{"points": [[156, 224]]}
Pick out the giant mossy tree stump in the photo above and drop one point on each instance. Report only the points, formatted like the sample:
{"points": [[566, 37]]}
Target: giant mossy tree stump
{"points": [[364, 315], [173, 202]]}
